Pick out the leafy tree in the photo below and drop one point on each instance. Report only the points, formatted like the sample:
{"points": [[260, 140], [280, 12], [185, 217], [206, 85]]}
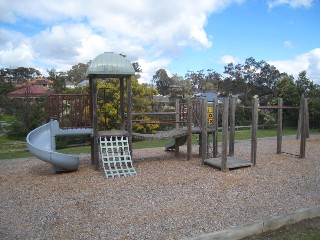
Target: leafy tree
{"points": [[31, 113], [59, 80], [18, 75], [109, 103], [77, 73], [163, 82], [250, 79]]}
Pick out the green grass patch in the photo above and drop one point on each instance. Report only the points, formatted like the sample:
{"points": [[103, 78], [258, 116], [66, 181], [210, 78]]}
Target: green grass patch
{"points": [[17, 149], [8, 119]]}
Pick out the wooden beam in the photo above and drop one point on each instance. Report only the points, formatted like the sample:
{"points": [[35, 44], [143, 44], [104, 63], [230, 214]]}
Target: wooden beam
{"points": [[122, 117], [129, 112], [232, 125], [279, 129], [215, 130], [224, 150], [204, 130], [254, 130], [303, 129], [95, 124], [189, 127], [177, 113]]}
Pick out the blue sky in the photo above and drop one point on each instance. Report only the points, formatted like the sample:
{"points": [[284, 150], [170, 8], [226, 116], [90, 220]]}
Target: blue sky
{"points": [[179, 36]]}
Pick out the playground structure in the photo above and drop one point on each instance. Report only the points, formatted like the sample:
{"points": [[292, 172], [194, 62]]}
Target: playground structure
{"points": [[77, 114], [229, 161]]}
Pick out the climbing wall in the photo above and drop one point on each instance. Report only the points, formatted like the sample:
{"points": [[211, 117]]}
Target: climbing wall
{"points": [[115, 155]]}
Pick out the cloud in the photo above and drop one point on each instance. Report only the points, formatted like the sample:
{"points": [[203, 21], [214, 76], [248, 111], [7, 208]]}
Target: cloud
{"points": [[226, 59], [16, 56], [291, 3], [150, 67], [77, 30], [309, 62], [287, 44]]}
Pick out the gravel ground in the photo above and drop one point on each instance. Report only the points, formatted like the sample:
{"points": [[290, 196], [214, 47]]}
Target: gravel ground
{"points": [[168, 199]]}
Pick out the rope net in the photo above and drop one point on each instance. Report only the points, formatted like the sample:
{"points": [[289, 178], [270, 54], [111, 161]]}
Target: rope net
{"points": [[116, 157]]}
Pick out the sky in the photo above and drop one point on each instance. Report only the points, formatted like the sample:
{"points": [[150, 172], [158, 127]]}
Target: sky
{"points": [[176, 35]]}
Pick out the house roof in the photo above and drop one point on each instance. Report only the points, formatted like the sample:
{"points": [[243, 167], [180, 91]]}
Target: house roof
{"points": [[36, 81], [32, 90], [109, 64], [208, 96]]}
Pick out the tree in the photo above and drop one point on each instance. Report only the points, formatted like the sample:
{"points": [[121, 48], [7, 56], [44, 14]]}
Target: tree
{"points": [[163, 82], [18, 75], [250, 79], [77, 73], [59, 80], [109, 103]]}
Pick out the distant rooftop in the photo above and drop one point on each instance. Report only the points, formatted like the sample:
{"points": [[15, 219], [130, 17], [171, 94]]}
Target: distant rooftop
{"points": [[110, 64]]}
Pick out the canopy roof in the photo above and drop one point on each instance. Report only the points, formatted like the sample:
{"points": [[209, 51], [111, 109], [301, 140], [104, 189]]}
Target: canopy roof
{"points": [[110, 64]]}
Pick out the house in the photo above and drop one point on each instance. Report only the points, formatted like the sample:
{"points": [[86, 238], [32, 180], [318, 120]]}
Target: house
{"points": [[83, 83], [160, 102], [209, 96], [70, 84], [37, 81], [34, 89]]}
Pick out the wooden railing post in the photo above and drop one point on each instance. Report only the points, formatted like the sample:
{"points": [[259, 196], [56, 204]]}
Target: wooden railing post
{"points": [[224, 147], [279, 129], [254, 130]]}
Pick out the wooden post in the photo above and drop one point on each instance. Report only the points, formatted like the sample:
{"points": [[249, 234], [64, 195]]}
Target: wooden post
{"points": [[178, 113], [91, 118], [122, 117], [232, 125], [129, 113], [300, 116], [204, 130], [95, 124], [303, 129], [189, 127], [279, 129], [215, 130], [307, 118], [254, 130], [225, 124]]}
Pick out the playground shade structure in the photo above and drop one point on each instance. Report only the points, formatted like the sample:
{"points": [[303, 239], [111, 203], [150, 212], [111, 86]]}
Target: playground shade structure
{"points": [[41, 143]]}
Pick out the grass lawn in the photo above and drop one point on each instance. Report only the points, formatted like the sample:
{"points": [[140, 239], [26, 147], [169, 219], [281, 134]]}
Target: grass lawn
{"points": [[17, 149]]}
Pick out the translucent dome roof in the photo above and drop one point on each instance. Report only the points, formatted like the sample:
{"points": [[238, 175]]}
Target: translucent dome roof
{"points": [[110, 64]]}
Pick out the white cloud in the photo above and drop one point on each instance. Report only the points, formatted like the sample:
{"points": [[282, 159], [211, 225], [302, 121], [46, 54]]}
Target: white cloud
{"points": [[16, 56], [291, 3], [288, 44], [226, 59], [309, 61], [150, 67], [78, 30]]}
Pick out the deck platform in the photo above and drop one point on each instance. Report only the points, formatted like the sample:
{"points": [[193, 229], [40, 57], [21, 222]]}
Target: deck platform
{"points": [[232, 162]]}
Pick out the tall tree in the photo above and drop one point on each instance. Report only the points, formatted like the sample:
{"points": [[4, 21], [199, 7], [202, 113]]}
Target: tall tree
{"points": [[59, 80], [163, 82], [77, 73]]}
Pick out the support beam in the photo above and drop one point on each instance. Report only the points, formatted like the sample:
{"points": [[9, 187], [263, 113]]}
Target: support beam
{"points": [[122, 116], [189, 127], [279, 131], [232, 125], [129, 112], [94, 96], [254, 130], [177, 113], [215, 130], [303, 129], [204, 130], [224, 150]]}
